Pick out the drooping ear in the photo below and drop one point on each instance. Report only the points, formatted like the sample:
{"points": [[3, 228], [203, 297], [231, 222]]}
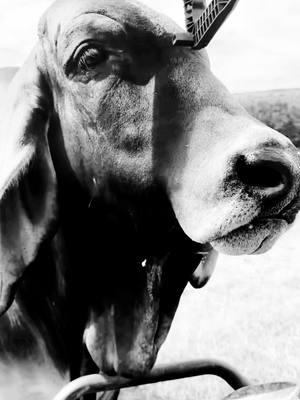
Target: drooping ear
{"points": [[27, 178]]}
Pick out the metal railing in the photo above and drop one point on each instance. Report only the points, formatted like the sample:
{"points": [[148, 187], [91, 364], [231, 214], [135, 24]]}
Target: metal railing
{"points": [[101, 383]]}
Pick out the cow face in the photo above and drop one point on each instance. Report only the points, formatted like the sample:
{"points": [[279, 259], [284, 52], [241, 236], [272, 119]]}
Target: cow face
{"points": [[135, 110], [133, 106]]}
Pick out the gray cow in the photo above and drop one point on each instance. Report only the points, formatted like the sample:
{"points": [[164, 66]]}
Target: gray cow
{"points": [[125, 166]]}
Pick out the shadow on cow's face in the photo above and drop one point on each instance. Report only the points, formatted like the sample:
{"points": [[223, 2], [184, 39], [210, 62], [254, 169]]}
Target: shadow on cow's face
{"points": [[133, 107], [138, 111]]}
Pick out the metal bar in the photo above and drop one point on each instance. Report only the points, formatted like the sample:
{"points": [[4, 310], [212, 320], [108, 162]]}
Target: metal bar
{"points": [[100, 383]]}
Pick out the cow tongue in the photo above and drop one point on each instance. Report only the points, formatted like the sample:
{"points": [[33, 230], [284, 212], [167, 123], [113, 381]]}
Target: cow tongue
{"points": [[137, 326], [121, 338], [124, 336]]}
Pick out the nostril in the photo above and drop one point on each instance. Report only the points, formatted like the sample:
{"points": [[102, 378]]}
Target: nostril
{"points": [[265, 172], [262, 174]]}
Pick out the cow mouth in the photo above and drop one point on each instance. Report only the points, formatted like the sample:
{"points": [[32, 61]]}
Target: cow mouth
{"points": [[258, 235], [255, 237]]}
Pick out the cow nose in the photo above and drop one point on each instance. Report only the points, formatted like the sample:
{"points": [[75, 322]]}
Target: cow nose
{"points": [[267, 172]]}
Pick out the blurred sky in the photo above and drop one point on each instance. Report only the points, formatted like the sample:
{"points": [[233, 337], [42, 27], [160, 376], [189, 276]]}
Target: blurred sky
{"points": [[257, 48]]}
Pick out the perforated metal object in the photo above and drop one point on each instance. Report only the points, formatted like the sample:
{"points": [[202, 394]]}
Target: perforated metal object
{"points": [[203, 23]]}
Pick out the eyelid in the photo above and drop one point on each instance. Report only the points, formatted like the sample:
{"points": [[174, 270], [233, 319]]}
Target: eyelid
{"points": [[86, 27], [84, 45], [77, 52], [115, 56]]}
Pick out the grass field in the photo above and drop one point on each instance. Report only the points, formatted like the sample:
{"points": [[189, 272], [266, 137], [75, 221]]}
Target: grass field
{"points": [[247, 315], [278, 109]]}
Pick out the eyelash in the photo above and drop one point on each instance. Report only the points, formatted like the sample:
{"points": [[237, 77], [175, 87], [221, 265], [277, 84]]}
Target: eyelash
{"points": [[90, 57]]}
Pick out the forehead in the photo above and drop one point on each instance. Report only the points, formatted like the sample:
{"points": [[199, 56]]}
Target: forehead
{"points": [[64, 16]]}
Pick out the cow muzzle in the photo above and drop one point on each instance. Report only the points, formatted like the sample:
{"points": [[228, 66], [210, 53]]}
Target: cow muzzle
{"points": [[270, 177], [240, 196]]}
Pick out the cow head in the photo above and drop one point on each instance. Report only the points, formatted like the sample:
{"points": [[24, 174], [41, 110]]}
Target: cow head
{"points": [[134, 110]]}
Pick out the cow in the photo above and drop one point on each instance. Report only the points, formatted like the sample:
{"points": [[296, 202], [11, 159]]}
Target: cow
{"points": [[125, 167]]}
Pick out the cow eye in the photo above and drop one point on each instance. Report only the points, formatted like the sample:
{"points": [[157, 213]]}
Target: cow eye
{"points": [[90, 58]]}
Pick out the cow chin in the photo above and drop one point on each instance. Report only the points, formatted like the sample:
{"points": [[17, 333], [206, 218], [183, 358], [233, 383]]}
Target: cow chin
{"points": [[256, 237]]}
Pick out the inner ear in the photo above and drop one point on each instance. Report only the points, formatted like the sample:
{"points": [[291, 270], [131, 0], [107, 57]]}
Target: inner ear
{"points": [[27, 179]]}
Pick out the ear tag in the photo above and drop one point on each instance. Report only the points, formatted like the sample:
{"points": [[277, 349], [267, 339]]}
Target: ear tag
{"points": [[203, 25]]}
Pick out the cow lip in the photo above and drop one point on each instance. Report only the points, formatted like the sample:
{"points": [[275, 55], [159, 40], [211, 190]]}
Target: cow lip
{"points": [[288, 214], [255, 237], [249, 225]]}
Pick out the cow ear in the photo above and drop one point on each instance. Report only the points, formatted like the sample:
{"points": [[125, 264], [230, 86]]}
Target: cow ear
{"points": [[27, 178]]}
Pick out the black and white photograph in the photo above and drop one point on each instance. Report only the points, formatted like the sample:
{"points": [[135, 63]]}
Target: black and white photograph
{"points": [[149, 200]]}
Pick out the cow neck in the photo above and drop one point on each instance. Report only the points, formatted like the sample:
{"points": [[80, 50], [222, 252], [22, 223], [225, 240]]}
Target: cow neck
{"points": [[94, 242]]}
